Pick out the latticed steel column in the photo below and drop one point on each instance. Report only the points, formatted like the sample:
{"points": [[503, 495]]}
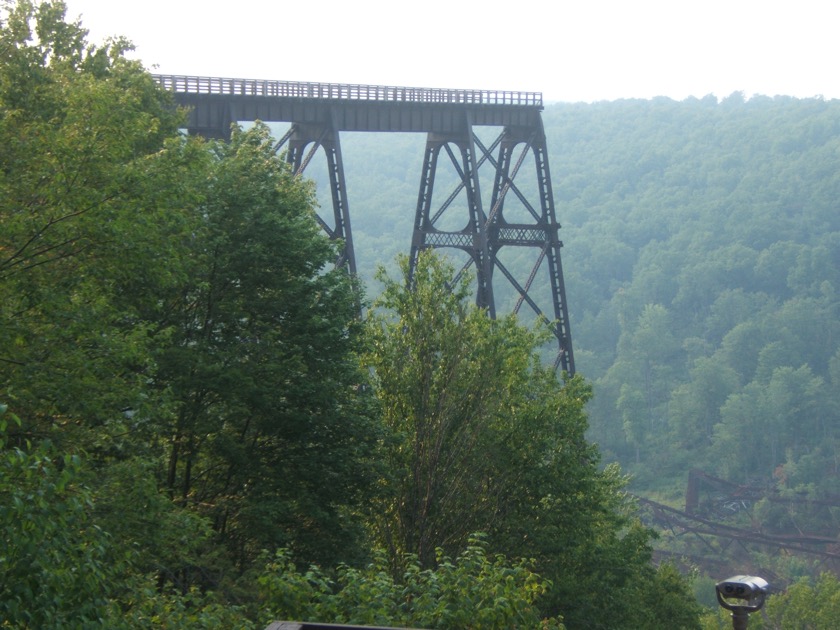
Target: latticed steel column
{"points": [[472, 239], [313, 137], [541, 232], [486, 234]]}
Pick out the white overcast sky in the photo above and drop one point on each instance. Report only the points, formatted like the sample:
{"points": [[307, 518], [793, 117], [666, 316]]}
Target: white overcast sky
{"points": [[582, 50]]}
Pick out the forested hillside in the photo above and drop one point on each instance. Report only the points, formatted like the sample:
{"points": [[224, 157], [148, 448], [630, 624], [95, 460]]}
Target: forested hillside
{"points": [[702, 264]]}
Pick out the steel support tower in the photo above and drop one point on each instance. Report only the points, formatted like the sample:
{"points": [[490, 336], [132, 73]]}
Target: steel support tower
{"points": [[456, 155]]}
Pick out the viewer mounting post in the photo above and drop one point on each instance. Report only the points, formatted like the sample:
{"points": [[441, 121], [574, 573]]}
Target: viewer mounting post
{"points": [[742, 595], [518, 215]]}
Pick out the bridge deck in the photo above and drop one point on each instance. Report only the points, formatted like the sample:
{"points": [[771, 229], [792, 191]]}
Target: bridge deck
{"points": [[216, 102], [346, 92]]}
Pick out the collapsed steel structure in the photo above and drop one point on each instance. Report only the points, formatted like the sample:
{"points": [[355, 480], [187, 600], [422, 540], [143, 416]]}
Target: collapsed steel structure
{"points": [[717, 516], [318, 112]]}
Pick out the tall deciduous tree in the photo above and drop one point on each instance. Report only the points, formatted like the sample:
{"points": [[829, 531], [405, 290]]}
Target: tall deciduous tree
{"points": [[450, 382], [90, 211], [167, 306], [269, 432], [485, 438]]}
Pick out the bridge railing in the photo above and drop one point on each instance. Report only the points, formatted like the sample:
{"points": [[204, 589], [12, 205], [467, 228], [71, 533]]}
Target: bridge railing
{"points": [[343, 91]]}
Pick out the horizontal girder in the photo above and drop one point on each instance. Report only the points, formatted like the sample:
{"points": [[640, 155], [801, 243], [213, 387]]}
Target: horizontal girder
{"points": [[216, 103]]}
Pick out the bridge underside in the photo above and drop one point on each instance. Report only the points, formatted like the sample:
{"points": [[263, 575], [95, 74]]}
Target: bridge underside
{"points": [[212, 114], [518, 215]]}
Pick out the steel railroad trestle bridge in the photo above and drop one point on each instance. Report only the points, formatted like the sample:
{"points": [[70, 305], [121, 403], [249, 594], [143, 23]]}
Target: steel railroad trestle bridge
{"points": [[318, 112]]}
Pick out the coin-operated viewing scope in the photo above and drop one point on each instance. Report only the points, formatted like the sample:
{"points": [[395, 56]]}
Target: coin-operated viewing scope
{"points": [[742, 595]]}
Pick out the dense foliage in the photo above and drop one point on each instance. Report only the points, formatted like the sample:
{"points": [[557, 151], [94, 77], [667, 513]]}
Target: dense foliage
{"points": [[189, 386], [811, 604], [702, 270], [260, 308], [473, 591], [704, 276], [186, 387], [173, 340], [55, 566], [484, 437]]}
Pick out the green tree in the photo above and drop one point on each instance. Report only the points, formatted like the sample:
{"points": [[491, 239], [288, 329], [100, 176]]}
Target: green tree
{"points": [[483, 436], [60, 569], [453, 386], [695, 406], [767, 417], [268, 430], [167, 307], [666, 602], [806, 605], [91, 212], [642, 376], [97, 201]]}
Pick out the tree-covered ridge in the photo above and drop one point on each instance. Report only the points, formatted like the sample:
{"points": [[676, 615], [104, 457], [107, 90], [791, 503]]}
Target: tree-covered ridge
{"points": [[703, 242], [702, 264]]}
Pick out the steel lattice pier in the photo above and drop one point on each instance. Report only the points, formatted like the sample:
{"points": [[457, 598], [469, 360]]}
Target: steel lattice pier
{"points": [[520, 213]]}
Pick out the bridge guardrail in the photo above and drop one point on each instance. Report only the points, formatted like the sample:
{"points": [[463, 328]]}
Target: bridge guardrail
{"points": [[343, 91]]}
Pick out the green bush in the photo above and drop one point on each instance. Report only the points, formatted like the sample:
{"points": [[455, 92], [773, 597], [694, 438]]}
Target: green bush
{"points": [[56, 565], [473, 591]]}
